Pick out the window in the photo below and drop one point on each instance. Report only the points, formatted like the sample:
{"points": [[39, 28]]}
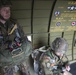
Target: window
{"points": [[29, 37]]}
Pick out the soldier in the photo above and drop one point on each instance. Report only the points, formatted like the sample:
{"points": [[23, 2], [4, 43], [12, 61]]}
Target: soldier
{"points": [[54, 61], [14, 45]]}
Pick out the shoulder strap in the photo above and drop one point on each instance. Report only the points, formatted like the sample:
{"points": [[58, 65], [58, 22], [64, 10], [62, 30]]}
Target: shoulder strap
{"points": [[49, 54]]}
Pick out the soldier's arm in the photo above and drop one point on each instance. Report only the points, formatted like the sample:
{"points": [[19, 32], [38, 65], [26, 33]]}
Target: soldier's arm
{"points": [[46, 65], [65, 62], [45, 61]]}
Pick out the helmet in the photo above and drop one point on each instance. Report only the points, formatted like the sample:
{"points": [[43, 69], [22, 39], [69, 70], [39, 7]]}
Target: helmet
{"points": [[60, 45], [4, 3]]}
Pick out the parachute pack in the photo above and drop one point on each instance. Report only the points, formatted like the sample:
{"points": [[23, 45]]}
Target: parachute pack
{"points": [[15, 57]]}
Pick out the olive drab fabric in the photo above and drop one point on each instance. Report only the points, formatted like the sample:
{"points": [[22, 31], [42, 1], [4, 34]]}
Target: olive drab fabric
{"points": [[50, 63], [15, 57], [14, 47]]}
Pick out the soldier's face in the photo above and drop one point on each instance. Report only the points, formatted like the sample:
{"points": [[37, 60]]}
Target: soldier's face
{"points": [[5, 12], [59, 54]]}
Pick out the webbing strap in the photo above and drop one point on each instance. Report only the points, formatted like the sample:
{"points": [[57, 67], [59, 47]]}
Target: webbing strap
{"points": [[15, 26], [49, 54]]}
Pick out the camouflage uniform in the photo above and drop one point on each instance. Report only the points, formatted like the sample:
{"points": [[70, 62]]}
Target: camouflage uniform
{"points": [[50, 63], [15, 48]]}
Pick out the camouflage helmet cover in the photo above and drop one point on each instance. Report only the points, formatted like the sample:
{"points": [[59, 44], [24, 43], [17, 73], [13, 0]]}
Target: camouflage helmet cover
{"points": [[4, 3], [60, 45]]}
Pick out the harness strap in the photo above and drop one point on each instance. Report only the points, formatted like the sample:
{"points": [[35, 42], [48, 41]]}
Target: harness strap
{"points": [[49, 54], [15, 26]]}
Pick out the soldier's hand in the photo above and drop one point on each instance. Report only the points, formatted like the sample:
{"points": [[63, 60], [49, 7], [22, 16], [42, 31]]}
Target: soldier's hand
{"points": [[68, 68], [65, 73]]}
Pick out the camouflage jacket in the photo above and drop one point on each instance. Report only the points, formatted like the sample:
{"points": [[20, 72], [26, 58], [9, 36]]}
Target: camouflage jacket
{"points": [[19, 53], [50, 62], [8, 32]]}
